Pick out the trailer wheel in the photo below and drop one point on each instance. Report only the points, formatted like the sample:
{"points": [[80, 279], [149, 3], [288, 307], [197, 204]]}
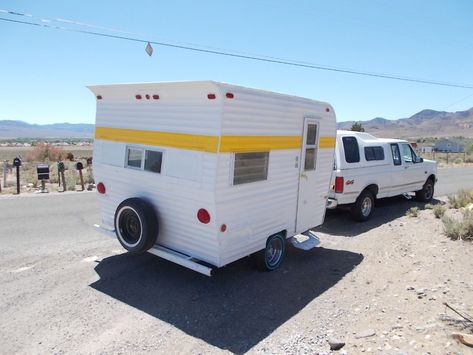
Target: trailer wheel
{"points": [[363, 207], [427, 192], [136, 225], [271, 257]]}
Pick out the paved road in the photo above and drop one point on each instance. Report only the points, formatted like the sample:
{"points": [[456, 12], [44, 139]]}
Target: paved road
{"points": [[452, 179], [67, 288]]}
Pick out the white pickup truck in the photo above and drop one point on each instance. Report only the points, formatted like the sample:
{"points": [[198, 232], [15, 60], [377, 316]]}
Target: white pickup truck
{"points": [[367, 168]]}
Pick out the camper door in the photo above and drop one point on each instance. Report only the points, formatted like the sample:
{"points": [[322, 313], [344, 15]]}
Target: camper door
{"points": [[309, 203]]}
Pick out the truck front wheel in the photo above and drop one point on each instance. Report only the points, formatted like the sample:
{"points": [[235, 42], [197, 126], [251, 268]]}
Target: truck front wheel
{"points": [[427, 192]]}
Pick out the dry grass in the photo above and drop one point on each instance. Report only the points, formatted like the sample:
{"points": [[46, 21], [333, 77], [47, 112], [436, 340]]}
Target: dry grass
{"points": [[461, 199], [439, 210], [459, 228], [412, 212]]}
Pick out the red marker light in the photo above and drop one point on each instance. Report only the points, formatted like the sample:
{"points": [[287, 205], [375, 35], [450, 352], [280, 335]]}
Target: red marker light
{"points": [[156, 97], [211, 96], [101, 188], [229, 95], [203, 216], [99, 97], [138, 97]]}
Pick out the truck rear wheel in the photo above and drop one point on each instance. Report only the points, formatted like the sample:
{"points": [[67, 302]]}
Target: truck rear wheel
{"points": [[271, 257], [427, 192], [136, 225], [363, 207]]}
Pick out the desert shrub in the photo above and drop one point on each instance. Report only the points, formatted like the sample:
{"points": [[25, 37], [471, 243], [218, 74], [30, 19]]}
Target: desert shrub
{"points": [[412, 212], [429, 206], [459, 228], [439, 210], [461, 199], [70, 156], [45, 151]]}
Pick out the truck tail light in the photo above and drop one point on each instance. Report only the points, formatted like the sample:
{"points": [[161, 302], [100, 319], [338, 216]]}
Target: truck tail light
{"points": [[339, 184]]}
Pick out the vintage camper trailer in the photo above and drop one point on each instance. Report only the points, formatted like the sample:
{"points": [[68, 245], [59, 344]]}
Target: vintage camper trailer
{"points": [[205, 173]]}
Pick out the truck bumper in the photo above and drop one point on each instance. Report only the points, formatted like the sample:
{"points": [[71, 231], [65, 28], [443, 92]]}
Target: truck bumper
{"points": [[331, 203]]}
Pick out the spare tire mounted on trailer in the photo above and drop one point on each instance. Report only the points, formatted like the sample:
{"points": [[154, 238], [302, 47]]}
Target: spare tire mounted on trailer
{"points": [[136, 225]]}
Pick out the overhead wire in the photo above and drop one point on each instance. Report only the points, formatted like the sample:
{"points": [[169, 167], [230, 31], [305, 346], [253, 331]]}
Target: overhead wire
{"points": [[47, 24]]}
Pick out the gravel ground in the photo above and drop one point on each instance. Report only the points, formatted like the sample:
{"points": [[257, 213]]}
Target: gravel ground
{"points": [[376, 286]]}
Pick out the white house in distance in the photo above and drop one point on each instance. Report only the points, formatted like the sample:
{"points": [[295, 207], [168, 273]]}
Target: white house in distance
{"points": [[448, 146]]}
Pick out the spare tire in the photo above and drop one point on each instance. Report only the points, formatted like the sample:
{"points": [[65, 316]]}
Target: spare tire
{"points": [[136, 225]]}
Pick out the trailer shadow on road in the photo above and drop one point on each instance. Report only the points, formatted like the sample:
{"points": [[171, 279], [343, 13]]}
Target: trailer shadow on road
{"points": [[339, 222], [236, 308]]}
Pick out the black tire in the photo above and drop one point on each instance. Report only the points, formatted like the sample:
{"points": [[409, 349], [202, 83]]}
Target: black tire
{"points": [[136, 225], [271, 257], [363, 207], [427, 192]]}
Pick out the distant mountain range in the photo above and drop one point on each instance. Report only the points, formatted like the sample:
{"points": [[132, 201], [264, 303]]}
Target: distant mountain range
{"points": [[426, 123], [10, 129]]}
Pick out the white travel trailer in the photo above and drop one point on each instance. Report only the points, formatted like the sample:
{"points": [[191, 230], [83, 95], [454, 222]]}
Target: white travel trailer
{"points": [[205, 173], [368, 168]]}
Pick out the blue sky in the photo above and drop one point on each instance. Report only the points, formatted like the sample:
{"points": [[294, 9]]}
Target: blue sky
{"points": [[45, 71]]}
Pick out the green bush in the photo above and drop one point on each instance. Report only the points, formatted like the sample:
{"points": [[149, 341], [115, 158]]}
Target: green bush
{"points": [[459, 228], [461, 199], [412, 212], [439, 210]]}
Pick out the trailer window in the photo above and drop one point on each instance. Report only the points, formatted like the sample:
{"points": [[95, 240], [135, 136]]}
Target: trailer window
{"points": [[134, 157], [144, 159], [374, 153], [153, 160], [250, 167], [351, 149]]}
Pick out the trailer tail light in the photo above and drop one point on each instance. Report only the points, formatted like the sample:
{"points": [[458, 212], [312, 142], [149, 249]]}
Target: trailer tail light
{"points": [[99, 97], [211, 96], [101, 188], [203, 216], [138, 97], [156, 97], [229, 95], [339, 185]]}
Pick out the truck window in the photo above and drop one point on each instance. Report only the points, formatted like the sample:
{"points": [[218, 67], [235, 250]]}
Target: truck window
{"points": [[374, 153], [250, 167], [408, 154], [396, 154], [351, 149]]}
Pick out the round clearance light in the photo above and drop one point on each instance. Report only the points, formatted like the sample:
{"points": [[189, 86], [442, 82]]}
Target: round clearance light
{"points": [[101, 188], [138, 97], [203, 216], [327, 109], [223, 228], [99, 97]]}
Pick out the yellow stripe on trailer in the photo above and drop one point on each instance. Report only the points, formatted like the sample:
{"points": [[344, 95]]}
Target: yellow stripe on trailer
{"points": [[206, 143]]}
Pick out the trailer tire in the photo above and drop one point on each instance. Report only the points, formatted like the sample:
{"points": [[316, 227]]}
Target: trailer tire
{"points": [[272, 256], [427, 192], [136, 225], [363, 207]]}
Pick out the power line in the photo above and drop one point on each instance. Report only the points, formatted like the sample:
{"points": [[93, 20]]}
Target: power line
{"points": [[243, 56]]}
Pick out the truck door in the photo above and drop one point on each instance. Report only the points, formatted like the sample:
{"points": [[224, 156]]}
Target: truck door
{"points": [[311, 198], [413, 171]]}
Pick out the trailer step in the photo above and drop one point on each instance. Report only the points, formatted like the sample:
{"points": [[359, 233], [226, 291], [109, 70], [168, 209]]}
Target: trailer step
{"points": [[306, 241]]}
